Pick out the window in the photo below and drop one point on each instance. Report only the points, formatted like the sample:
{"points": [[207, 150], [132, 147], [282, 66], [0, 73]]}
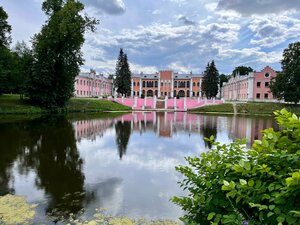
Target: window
{"points": [[161, 84], [267, 75], [266, 84], [138, 83], [187, 84], [133, 83], [138, 93], [194, 84], [165, 93], [155, 83], [266, 95], [258, 95], [144, 83], [258, 84], [198, 84]]}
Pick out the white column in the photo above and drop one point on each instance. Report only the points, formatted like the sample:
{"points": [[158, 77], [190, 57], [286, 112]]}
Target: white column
{"points": [[122, 98], [158, 92], [166, 102], [191, 92], [145, 101], [140, 94], [172, 85], [135, 102], [184, 103], [154, 102], [175, 103], [131, 87]]}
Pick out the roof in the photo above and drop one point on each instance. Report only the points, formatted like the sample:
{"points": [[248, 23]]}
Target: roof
{"points": [[89, 75]]}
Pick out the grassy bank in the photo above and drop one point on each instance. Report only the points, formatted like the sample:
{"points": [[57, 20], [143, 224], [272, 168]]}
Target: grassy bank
{"points": [[11, 104], [223, 108], [250, 108]]}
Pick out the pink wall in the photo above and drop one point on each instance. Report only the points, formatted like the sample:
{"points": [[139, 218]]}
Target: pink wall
{"points": [[91, 87], [261, 89]]}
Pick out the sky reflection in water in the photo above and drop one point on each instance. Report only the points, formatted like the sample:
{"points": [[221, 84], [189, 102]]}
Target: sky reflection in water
{"points": [[125, 165]]}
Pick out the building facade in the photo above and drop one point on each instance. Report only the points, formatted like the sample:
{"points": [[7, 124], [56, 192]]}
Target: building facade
{"points": [[166, 83], [252, 87], [92, 85]]}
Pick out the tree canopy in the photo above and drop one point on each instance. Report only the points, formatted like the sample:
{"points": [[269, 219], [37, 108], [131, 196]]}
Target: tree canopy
{"points": [[223, 78], [286, 85], [5, 29], [123, 75], [5, 55], [242, 70], [57, 52], [210, 83]]}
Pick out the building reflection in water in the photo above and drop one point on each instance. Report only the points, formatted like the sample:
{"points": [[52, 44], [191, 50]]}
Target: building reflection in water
{"points": [[168, 124]]}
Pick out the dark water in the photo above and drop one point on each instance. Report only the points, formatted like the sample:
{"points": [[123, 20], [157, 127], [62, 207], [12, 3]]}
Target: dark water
{"points": [[125, 164]]}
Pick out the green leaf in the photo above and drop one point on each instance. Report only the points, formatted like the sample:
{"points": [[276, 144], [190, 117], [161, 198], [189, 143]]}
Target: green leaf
{"points": [[271, 207], [280, 219], [211, 215], [251, 183], [226, 183], [243, 182]]}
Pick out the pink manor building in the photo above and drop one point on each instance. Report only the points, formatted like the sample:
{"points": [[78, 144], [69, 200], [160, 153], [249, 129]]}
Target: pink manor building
{"points": [[92, 85], [252, 87]]}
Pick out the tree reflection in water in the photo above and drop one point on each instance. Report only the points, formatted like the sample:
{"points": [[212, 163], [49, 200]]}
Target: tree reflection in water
{"points": [[123, 131], [208, 129], [49, 148]]}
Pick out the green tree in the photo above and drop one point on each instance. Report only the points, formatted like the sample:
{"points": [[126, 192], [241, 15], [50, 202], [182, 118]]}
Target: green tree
{"points": [[23, 68], [231, 184], [57, 52], [286, 85], [210, 83], [5, 29], [242, 70], [223, 78], [5, 54], [123, 75]]}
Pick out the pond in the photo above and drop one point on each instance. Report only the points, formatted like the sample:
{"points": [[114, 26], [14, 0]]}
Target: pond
{"points": [[124, 164]]}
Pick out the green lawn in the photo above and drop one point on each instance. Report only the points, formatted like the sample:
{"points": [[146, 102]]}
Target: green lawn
{"points": [[11, 104], [250, 108], [94, 105], [222, 108], [265, 108]]}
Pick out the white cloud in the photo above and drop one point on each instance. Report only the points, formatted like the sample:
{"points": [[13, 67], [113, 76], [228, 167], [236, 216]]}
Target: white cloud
{"points": [[259, 7], [110, 7], [270, 31]]}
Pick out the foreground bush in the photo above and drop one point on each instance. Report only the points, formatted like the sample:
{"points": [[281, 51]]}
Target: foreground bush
{"points": [[233, 185]]}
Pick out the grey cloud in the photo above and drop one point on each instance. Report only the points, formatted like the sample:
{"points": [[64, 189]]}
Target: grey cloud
{"points": [[113, 7], [186, 20], [250, 7]]}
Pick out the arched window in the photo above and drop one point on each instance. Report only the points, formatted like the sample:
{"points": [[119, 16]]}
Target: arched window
{"points": [[133, 83]]}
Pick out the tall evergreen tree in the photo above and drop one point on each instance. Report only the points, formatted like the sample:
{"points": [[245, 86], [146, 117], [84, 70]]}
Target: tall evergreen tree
{"points": [[210, 83], [123, 75], [286, 85], [5, 54], [57, 52]]}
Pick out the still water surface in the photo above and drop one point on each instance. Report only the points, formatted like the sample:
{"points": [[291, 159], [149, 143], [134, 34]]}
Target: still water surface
{"points": [[125, 164]]}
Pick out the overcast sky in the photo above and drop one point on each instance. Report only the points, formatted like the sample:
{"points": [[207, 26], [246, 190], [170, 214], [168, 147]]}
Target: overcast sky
{"points": [[183, 35]]}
